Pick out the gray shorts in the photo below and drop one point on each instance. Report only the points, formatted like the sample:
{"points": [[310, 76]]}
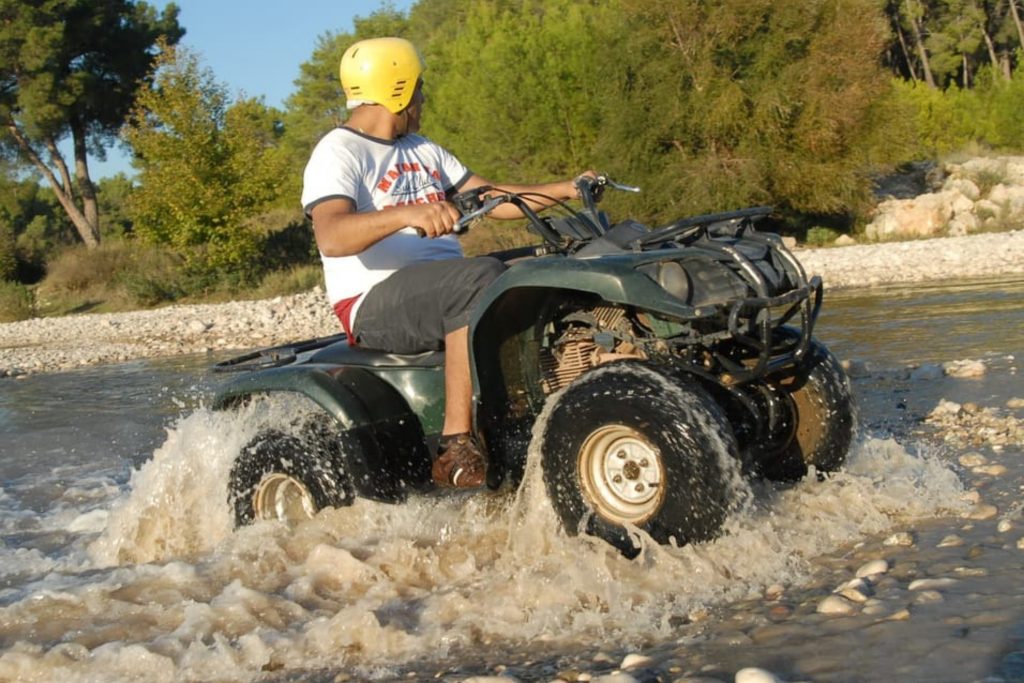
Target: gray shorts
{"points": [[417, 306]]}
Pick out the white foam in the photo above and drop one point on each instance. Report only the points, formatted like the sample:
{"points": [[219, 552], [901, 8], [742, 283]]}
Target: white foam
{"points": [[371, 586]]}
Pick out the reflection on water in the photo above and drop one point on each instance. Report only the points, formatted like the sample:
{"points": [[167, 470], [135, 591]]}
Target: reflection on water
{"points": [[928, 323]]}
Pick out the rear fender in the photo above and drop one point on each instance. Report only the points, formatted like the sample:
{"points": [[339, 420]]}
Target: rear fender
{"points": [[384, 447]]}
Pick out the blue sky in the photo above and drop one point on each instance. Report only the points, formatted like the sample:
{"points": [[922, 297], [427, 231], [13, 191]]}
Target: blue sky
{"points": [[256, 46]]}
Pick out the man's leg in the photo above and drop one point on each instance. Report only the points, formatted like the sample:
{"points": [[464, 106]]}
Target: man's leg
{"points": [[458, 384], [413, 310]]}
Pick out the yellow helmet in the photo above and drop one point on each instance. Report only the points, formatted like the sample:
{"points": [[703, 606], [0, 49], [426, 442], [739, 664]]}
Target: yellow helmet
{"points": [[381, 71]]}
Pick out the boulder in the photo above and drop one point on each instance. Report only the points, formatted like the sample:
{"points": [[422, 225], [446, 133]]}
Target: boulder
{"points": [[964, 186], [923, 216]]}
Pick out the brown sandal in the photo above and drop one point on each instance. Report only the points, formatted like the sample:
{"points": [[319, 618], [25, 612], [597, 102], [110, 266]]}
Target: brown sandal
{"points": [[460, 463]]}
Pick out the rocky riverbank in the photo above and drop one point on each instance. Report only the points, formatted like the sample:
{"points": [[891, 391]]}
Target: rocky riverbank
{"points": [[53, 344]]}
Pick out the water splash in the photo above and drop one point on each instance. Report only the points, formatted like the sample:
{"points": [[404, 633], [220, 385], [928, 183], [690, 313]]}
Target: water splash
{"points": [[173, 593]]}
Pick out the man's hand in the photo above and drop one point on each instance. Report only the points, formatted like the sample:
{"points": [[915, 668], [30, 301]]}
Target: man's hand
{"points": [[341, 231], [435, 219]]}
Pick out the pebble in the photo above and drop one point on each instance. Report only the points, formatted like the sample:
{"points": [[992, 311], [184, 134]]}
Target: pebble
{"points": [[1015, 403], [756, 675], [855, 595], [900, 538], [991, 470], [1004, 526], [931, 584], [617, 677], [837, 606], [54, 344], [875, 608], [972, 496], [1020, 544], [951, 541], [873, 567], [981, 511], [972, 459], [633, 661], [964, 368], [927, 597], [970, 426]]}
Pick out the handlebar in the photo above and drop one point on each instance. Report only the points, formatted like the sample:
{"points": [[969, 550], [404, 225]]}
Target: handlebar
{"points": [[474, 204], [489, 205]]}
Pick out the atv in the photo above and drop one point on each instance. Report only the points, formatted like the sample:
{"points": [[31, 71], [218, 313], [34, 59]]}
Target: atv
{"points": [[650, 369]]}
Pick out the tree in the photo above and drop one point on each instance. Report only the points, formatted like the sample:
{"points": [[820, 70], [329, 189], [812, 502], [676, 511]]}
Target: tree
{"points": [[70, 68], [207, 167], [738, 102], [519, 95], [318, 103]]}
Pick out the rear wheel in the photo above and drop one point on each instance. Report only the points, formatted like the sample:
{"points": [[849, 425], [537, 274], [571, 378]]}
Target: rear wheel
{"points": [[630, 446], [822, 426], [283, 477]]}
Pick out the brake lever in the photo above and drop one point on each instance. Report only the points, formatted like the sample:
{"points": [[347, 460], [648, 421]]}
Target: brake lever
{"points": [[463, 223], [605, 180]]}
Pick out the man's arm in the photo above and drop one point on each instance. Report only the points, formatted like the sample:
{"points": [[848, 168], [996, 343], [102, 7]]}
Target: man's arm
{"points": [[342, 231], [537, 196]]}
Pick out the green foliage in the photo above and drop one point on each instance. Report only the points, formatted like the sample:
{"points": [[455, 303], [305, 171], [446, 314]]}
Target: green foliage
{"points": [[16, 302], [740, 102], [122, 273], [318, 103], [8, 257], [290, 281], [943, 43], [69, 69], [820, 236], [518, 96], [114, 194], [206, 167], [949, 120], [36, 223]]}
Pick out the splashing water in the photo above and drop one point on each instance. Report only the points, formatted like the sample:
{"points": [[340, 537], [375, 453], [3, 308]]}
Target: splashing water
{"points": [[168, 591]]}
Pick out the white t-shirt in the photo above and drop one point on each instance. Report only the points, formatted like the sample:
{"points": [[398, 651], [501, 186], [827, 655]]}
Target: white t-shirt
{"points": [[375, 174]]}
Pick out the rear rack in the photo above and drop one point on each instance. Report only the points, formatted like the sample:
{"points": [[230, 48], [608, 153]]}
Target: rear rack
{"points": [[275, 356]]}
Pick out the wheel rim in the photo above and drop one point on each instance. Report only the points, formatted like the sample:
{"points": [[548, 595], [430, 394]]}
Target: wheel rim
{"points": [[622, 474], [282, 497]]}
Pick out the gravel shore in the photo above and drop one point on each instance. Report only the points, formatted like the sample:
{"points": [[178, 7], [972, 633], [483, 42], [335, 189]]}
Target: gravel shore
{"points": [[53, 344]]}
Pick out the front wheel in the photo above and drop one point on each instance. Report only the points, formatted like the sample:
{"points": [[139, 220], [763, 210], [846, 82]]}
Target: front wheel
{"points": [[283, 477], [630, 445], [822, 410]]}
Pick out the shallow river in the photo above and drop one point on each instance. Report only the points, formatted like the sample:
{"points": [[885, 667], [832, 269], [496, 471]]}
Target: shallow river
{"points": [[118, 561]]}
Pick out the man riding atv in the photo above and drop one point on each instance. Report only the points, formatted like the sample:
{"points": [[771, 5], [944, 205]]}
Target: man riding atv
{"points": [[378, 193]]}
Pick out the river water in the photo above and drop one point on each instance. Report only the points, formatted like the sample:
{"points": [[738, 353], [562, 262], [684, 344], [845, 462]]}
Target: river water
{"points": [[118, 561]]}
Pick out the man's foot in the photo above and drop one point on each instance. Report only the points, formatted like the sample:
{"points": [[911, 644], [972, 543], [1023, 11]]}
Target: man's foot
{"points": [[460, 463]]}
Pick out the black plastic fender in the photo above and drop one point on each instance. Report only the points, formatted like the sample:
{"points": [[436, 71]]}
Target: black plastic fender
{"points": [[383, 443]]}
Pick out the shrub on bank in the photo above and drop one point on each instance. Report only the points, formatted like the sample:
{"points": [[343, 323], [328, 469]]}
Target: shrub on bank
{"points": [[16, 302], [117, 275]]}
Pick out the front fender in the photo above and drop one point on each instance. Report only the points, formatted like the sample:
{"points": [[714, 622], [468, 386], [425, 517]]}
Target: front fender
{"points": [[612, 278]]}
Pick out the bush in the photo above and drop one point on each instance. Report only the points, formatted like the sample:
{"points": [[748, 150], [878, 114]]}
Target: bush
{"points": [[77, 269], [290, 281], [16, 302], [819, 236], [118, 274]]}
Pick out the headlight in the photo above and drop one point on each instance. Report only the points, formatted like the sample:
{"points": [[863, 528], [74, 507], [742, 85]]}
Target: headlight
{"points": [[670, 276]]}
